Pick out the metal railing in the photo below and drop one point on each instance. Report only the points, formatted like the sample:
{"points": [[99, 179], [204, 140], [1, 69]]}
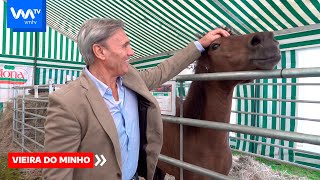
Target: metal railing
{"points": [[245, 75], [29, 116]]}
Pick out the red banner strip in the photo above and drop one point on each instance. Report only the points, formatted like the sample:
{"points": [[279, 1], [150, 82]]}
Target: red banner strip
{"points": [[51, 160]]}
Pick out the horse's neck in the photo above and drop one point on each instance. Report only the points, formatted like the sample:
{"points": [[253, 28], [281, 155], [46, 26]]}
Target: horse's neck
{"points": [[210, 101]]}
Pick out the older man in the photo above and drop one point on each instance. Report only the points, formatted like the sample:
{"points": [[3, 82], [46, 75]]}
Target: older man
{"points": [[109, 110]]}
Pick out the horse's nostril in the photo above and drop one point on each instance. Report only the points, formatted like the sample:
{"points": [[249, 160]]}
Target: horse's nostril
{"points": [[256, 40]]}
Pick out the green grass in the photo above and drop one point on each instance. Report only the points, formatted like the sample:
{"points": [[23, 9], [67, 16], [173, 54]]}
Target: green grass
{"points": [[286, 168], [7, 173], [290, 169]]}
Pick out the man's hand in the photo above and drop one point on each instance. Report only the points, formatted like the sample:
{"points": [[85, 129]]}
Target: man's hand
{"points": [[212, 35]]}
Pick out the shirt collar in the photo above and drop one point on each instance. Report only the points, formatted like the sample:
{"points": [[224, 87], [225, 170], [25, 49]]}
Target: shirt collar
{"points": [[103, 88]]}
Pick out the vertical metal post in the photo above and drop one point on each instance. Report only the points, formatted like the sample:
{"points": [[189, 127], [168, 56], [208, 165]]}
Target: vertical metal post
{"points": [[35, 131], [181, 128], [36, 95], [279, 119], [35, 56], [23, 119], [50, 86], [36, 91], [255, 117], [14, 114]]}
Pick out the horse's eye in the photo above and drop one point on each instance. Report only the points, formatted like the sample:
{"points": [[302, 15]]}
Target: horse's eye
{"points": [[215, 46]]}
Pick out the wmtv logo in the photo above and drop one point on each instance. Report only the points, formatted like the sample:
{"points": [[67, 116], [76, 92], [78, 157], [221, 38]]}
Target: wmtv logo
{"points": [[30, 12], [26, 15]]}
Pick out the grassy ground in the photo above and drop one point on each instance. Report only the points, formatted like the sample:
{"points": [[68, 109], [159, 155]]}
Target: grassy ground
{"points": [[290, 169], [6, 173]]}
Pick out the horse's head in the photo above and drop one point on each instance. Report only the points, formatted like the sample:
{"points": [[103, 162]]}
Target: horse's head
{"points": [[257, 51]]}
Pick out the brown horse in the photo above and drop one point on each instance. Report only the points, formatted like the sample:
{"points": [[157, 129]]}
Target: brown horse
{"points": [[211, 100]]}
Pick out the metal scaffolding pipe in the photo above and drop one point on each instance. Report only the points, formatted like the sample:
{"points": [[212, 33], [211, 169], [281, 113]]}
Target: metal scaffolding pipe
{"points": [[290, 136], [246, 75]]}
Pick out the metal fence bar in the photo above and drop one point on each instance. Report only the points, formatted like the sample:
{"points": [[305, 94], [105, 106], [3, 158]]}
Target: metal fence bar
{"points": [[181, 129], [31, 87], [32, 108], [275, 145], [33, 118], [35, 99], [39, 127], [40, 145], [15, 106], [246, 75], [193, 168], [36, 115], [21, 146], [40, 108], [277, 160], [23, 116], [28, 128], [272, 84], [283, 84], [278, 116], [32, 97], [280, 100], [32, 127], [290, 136]]}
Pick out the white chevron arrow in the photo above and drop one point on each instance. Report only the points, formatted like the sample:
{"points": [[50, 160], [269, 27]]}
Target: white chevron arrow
{"points": [[103, 160], [99, 160]]}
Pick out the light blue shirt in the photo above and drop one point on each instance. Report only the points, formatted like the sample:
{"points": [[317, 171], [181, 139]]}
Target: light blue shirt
{"points": [[199, 46], [126, 118]]}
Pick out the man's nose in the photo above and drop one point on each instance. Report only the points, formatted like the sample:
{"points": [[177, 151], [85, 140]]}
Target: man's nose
{"points": [[130, 52]]}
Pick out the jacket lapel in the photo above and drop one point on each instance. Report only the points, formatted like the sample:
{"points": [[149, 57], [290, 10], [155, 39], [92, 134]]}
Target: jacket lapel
{"points": [[102, 113], [133, 81]]}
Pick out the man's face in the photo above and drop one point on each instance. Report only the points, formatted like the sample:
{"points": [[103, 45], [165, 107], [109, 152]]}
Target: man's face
{"points": [[118, 52]]}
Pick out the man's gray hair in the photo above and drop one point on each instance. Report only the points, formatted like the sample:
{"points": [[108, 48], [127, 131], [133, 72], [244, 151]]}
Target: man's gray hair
{"points": [[94, 31]]}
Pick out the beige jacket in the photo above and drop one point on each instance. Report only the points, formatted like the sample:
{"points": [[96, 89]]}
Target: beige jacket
{"points": [[79, 121]]}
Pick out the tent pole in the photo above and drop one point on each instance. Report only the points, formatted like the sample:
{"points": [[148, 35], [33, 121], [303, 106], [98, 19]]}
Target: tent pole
{"points": [[35, 55]]}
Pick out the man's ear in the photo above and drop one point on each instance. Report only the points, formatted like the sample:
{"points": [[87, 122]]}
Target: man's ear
{"points": [[98, 51]]}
